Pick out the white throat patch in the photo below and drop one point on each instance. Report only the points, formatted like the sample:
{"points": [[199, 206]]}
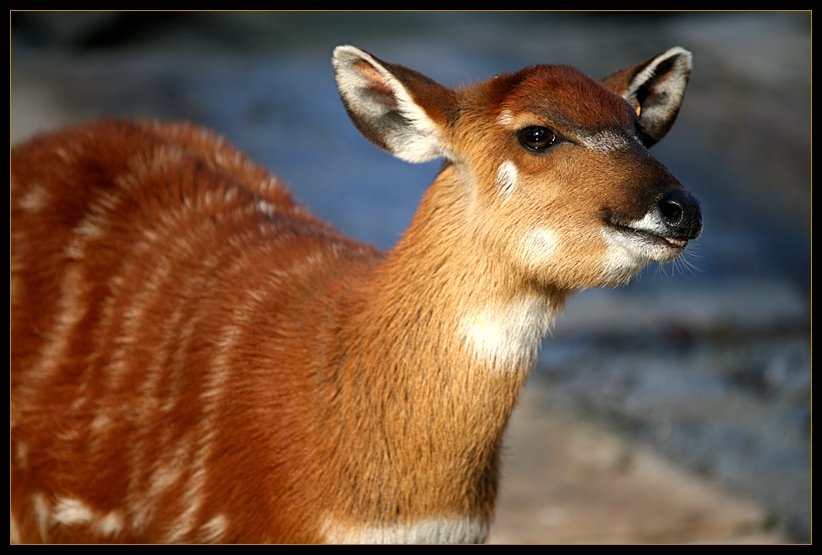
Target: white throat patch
{"points": [[507, 337]]}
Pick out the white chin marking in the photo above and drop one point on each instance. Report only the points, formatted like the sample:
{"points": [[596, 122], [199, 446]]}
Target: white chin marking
{"points": [[627, 253], [623, 259]]}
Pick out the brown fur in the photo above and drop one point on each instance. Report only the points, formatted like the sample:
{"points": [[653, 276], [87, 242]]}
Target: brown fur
{"points": [[195, 358]]}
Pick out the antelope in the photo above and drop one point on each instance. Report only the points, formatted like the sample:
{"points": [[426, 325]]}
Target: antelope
{"points": [[197, 358]]}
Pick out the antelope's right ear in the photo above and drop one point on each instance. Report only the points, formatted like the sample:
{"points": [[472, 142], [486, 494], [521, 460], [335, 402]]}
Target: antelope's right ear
{"points": [[396, 108], [655, 88]]}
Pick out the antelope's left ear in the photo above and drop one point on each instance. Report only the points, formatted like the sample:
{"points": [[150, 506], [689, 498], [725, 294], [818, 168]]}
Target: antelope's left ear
{"points": [[655, 88]]}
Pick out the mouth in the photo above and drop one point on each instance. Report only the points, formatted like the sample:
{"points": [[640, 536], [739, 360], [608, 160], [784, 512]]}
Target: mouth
{"points": [[663, 232], [633, 244], [649, 237]]}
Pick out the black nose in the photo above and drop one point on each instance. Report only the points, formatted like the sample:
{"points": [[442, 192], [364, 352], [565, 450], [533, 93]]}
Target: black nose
{"points": [[681, 213]]}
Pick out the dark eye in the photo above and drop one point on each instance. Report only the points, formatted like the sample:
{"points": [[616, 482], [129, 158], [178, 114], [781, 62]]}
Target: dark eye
{"points": [[536, 138]]}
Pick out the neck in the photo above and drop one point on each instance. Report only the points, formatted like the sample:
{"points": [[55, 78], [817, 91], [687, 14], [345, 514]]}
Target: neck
{"points": [[438, 346]]}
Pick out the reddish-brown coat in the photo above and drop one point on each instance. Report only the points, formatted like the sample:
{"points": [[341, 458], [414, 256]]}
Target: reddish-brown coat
{"points": [[195, 358]]}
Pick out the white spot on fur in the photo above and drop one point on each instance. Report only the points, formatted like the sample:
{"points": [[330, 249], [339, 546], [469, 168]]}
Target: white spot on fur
{"points": [[166, 471], [100, 424], [539, 245], [507, 177], [110, 525], [92, 227], [505, 118], [212, 530], [67, 157], [71, 310], [194, 495], [71, 512], [508, 337], [15, 531], [21, 454], [266, 208], [35, 199], [425, 531], [41, 514]]}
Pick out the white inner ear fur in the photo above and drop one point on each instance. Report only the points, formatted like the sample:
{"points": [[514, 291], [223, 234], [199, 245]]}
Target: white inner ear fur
{"points": [[417, 138], [673, 88]]}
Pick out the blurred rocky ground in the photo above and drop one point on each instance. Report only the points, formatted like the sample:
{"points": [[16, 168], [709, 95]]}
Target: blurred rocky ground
{"points": [[673, 410]]}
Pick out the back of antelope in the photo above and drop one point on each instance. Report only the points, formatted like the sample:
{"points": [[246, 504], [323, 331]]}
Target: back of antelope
{"points": [[195, 358]]}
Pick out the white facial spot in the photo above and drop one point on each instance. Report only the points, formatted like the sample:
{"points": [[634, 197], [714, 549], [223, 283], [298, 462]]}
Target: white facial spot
{"points": [[505, 118], [604, 141], [441, 530], [539, 245], [507, 177], [507, 337]]}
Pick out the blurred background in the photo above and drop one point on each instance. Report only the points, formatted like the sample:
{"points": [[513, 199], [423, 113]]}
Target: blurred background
{"points": [[674, 409]]}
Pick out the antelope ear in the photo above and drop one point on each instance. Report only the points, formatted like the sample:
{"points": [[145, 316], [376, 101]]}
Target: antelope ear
{"points": [[396, 108], [655, 88]]}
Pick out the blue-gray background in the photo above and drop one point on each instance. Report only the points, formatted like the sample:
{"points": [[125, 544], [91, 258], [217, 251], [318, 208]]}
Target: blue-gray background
{"points": [[706, 361]]}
